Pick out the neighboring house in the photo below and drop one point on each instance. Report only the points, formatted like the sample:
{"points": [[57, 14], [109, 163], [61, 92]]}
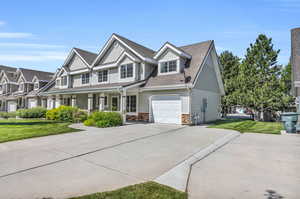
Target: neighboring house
{"points": [[20, 88], [295, 61], [179, 85]]}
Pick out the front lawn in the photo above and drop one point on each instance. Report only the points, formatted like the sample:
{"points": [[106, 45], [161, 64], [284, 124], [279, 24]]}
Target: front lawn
{"points": [[17, 129], [148, 190], [251, 126]]}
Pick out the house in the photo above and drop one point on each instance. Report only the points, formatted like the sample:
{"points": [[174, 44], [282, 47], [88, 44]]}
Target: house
{"points": [[295, 62], [19, 88], [179, 85]]}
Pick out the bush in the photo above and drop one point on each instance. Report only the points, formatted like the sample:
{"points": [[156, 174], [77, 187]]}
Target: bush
{"points": [[7, 115], [66, 114], [37, 112], [104, 119], [89, 122]]}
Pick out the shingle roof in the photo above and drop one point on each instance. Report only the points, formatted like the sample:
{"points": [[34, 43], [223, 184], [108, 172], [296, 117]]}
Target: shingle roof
{"points": [[89, 57], [142, 50], [7, 68], [41, 75], [11, 75], [198, 51]]}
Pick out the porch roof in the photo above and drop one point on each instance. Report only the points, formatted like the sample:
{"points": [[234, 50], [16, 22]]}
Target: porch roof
{"points": [[90, 88]]}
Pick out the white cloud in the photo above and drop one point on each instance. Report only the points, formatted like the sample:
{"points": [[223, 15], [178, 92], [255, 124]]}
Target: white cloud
{"points": [[41, 56], [15, 35], [30, 45], [2, 23]]}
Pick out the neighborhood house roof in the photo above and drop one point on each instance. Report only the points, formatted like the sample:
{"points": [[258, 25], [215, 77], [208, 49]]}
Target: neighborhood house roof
{"points": [[41, 75]]}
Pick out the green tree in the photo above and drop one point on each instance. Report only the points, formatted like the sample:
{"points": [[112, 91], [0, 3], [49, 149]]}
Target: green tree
{"points": [[259, 79], [230, 70]]}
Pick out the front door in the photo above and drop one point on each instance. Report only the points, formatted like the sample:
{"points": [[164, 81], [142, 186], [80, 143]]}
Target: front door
{"points": [[115, 103]]}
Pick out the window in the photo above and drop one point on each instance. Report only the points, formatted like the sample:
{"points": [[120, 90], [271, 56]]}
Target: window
{"points": [[21, 87], [131, 103], [64, 81], [126, 71], [170, 66], [36, 85], [85, 78], [57, 83], [102, 76], [105, 101]]}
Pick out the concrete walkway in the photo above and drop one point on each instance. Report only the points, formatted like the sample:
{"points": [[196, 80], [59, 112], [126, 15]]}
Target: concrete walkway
{"points": [[96, 160], [251, 166]]}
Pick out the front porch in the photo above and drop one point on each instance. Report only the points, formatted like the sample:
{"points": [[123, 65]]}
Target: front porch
{"points": [[126, 103]]}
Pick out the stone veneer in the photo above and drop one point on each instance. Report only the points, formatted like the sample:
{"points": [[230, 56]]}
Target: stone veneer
{"points": [[185, 119], [140, 116]]}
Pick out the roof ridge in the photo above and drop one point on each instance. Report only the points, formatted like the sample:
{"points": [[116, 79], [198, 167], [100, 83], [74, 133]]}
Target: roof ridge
{"points": [[134, 42], [85, 50], [35, 70], [196, 43]]}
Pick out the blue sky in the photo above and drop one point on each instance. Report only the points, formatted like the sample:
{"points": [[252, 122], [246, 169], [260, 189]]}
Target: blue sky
{"points": [[39, 34]]}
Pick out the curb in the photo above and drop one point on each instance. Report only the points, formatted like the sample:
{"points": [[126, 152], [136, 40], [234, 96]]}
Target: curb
{"points": [[178, 176]]}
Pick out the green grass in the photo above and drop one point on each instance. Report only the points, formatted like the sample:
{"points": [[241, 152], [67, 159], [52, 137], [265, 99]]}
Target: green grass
{"points": [[17, 129], [250, 126], [148, 190]]}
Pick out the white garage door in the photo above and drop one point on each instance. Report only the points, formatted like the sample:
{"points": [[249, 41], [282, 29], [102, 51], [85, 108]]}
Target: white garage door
{"points": [[11, 106], [166, 109]]}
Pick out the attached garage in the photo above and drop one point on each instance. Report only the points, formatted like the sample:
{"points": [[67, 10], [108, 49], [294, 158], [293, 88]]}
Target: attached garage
{"points": [[166, 109], [11, 106]]}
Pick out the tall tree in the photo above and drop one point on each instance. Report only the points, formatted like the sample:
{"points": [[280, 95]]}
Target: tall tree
{"points": [[230, 70], [259, 78]]}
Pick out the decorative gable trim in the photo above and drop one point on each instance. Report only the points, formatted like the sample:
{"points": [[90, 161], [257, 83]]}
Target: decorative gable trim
{"points": [[111, 41], [168, 45], [70, 56]]}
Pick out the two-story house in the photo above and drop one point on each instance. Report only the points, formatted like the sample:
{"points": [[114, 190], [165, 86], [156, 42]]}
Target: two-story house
{"points": [[171, 85], [20, 88]]}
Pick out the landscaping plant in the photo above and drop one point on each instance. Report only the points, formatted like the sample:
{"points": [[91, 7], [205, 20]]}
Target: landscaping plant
{"points": [[37, 112], [66, 114], [104, 119]]}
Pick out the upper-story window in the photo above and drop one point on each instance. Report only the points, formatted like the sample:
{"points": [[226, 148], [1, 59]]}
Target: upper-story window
{"points": [[126, 71], [103, 76], [85, 78], [57, 83], [64, 80], [169, 66], [21, 87], [36, 85]]}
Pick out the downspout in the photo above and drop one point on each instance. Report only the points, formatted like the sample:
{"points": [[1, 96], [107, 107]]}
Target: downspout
{"points": [[190, 102]]}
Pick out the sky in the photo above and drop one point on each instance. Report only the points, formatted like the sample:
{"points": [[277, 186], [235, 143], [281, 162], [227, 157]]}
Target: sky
{"points": [[40, 34]]}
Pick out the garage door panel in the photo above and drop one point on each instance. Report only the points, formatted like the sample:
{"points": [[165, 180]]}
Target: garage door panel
{"points": [[166, 109]]}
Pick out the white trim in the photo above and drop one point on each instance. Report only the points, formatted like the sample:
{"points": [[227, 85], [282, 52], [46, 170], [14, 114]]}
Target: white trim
{"points": [[167, 45], [127, 79], [79, 71], [167, 87], [97, 77]]}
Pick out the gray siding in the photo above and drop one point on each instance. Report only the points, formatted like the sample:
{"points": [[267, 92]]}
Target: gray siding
{"points": [[76, 63], [168, 55], [113, 53]]}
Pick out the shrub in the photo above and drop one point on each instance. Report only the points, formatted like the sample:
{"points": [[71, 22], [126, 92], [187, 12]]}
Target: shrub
{"points": [[66, 114], [89, 122], [37, 112], [105, 119], [7, 115]]}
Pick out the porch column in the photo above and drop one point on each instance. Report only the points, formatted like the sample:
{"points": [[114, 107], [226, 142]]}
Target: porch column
{"points": [[90, 102], [58, 101], [101, 102], [123, 106], [73, 100]]}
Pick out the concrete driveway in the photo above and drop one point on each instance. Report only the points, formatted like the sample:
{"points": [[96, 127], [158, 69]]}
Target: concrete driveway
{"points": [[251, 166], [96, 160]]}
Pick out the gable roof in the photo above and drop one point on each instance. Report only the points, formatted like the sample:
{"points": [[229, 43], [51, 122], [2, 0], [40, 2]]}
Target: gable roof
{"points": [[29, 74], [199, 52], [8, 68], [177, 50], [89, 57], [142, 50]]}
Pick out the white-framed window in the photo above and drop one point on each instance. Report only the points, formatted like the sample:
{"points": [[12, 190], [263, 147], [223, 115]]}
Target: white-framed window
{"points": [[57, 83], [36, 85], [126, 71], [21, 87], [168, 66], [131, 103], [64, 80], [85, 78], [103, 76]]}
